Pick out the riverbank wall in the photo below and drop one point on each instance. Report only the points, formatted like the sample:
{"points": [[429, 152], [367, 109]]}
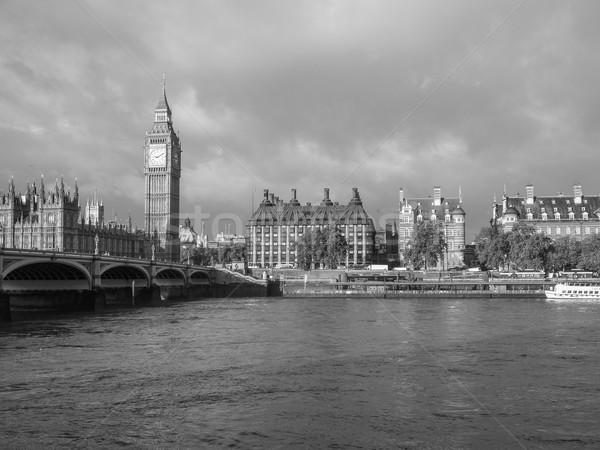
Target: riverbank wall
{"points": [[37, 304]]}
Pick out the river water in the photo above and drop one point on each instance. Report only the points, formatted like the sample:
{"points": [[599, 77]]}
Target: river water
{"points": [[306, 373]]}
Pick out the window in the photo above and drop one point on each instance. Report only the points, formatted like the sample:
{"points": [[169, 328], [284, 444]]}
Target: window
{"points": [[557, 230], [587, 230], [577, 230], [571, 215], [568, 230], [557, 216], [529, 216], [584, 216], [544, 216], [548, 230]]}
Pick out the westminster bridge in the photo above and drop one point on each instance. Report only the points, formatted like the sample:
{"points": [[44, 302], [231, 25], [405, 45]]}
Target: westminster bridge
{"points": [[43, 281]]}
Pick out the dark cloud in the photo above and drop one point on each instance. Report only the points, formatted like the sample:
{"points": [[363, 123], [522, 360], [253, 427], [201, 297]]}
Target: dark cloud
{"points": [[269, 94]]}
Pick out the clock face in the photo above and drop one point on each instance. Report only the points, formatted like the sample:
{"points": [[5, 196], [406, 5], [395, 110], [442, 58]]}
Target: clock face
{"points": [[157, 157]]}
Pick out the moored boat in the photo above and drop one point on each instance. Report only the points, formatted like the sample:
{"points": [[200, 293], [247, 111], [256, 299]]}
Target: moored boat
{"points": [[574, 292]]}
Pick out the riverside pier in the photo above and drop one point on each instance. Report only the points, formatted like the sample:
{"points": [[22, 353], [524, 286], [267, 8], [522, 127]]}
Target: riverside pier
{"points": [[338, 283]]}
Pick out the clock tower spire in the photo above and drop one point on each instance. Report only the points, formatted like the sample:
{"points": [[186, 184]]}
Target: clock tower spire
{"points": [[162, 174]]}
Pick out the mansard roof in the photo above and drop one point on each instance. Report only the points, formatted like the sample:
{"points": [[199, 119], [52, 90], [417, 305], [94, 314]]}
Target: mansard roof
{"points": [[560, 203], [427, 207], [327, 213]]}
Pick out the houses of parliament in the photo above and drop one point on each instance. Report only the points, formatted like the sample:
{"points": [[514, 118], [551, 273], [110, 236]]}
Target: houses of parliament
{"points": [[53, 218]]}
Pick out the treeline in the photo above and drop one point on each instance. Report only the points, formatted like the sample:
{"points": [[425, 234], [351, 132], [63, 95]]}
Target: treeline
{"points": [[326, 248], [524, 248], [221, 255]]}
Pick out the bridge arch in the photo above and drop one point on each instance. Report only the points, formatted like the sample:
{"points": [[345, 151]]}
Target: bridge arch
{"points": [[171, 276], [122, 275], [39, 274], [200, 277], [170, 273]]}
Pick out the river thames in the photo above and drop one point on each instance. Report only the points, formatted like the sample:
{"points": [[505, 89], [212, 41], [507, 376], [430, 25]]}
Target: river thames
{"points": [[306, 373]]}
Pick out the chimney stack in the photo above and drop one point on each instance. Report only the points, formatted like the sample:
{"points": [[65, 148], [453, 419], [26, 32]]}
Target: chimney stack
{"points": [[529, 194], [577, 193], [437, 195]]}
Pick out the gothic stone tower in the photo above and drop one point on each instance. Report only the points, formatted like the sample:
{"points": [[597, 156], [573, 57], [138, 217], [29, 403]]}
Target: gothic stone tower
{"points": [[162, 170]]}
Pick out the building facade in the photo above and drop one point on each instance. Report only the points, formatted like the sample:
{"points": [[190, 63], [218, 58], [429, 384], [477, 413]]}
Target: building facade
{"points": [[162, 173], [447, 211], [276, 226], [52, 219], [575, 215]]}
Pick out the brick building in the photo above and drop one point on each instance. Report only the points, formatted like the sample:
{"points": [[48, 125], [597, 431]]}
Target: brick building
{"points": [[574, 215], [276, 226], [446, 211]]}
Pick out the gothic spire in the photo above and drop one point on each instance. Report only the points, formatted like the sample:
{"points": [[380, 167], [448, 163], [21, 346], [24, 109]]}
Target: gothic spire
{"points": [[42, 190], [162, 113]]}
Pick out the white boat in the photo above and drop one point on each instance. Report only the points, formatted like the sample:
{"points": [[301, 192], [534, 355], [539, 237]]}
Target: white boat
{"points": [[574, 292]]}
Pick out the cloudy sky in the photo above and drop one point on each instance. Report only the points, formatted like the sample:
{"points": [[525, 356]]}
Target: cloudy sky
{"points": [[304, 94]]}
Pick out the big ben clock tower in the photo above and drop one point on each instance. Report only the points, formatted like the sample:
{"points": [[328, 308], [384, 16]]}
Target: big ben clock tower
{"points": [[162, 172]]}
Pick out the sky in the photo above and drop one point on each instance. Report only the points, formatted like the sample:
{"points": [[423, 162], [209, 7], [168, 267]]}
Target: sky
{"points": [[478, 96]]}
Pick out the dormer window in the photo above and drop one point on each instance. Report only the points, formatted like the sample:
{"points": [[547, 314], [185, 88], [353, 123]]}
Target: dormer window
{"points": [[529, 216], [433, 217], [571, 215], [584, 215], [447, 217], [544, 216], [557, 216]]}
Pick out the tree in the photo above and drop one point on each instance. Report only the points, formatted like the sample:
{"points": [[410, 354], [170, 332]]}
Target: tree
{"points": [[202, 256], [566, 254], [492, 247], [238, 252], [304, 253], [427, 245], [318, 247], [590, 253], [337, 248], [528, 248]]}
